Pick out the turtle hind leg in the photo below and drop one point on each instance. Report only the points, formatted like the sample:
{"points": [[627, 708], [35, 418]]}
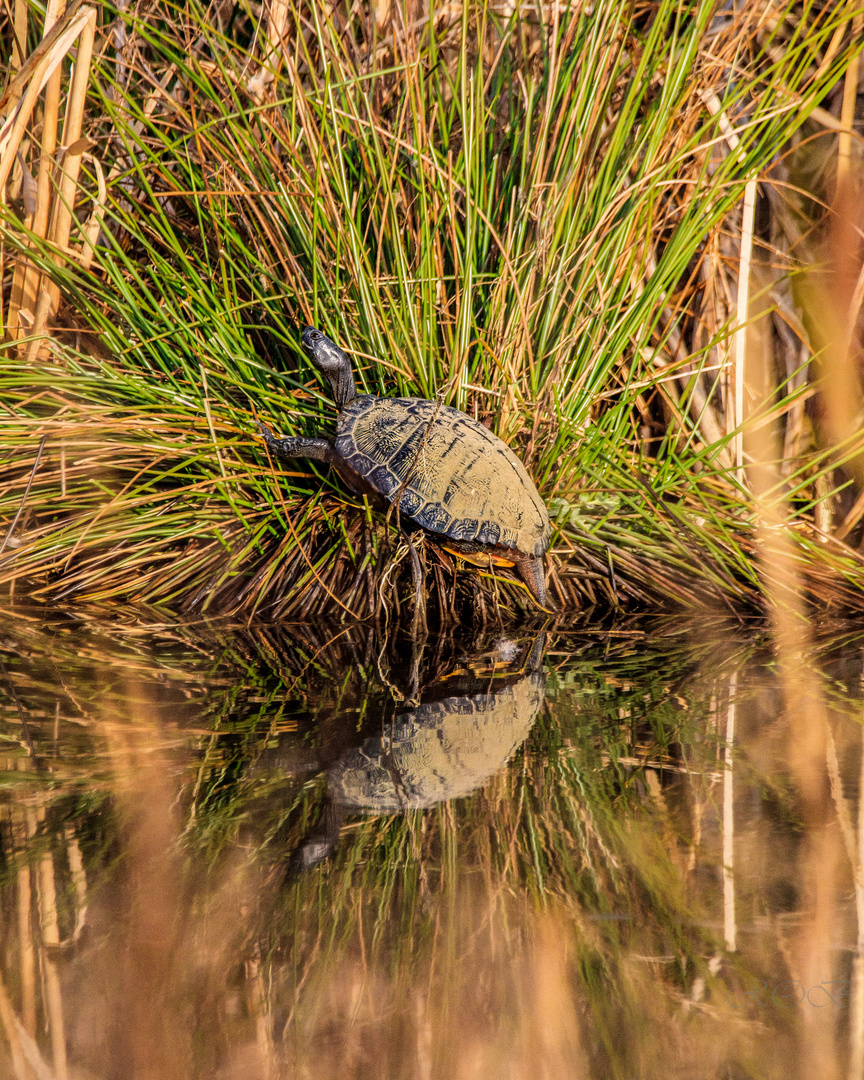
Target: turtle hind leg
{"points": [[531, 570], [296, 446], [419, 629]]}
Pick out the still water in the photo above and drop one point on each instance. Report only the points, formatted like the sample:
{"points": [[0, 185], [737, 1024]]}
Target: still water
{"points": [[633, 851]]}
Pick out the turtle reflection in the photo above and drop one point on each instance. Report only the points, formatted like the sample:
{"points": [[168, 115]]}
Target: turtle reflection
{"points": [[463, 730]]}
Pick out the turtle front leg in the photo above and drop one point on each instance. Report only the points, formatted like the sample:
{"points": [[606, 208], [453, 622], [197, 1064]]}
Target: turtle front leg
{"points": [[296, 446]]}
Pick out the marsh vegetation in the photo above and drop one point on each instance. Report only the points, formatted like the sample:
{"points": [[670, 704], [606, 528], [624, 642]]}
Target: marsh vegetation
{"points": [[539, 217], [249, 826]]}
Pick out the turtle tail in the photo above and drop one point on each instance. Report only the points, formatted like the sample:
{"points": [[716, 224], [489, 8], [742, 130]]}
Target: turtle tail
{"points": [[532, 571]]}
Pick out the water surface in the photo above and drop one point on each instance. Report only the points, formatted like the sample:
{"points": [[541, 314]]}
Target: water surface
{"points": [[279, 852]]}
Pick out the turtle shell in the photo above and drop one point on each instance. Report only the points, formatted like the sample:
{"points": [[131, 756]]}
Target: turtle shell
{"points": [[456, 478], [439, 750]]}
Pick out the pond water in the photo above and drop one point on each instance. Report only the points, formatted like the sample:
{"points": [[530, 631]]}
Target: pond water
{"points": [[631, 851]]}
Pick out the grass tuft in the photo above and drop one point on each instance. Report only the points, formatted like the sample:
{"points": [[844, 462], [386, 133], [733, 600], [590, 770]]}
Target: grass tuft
{"points": [[532, 215]]}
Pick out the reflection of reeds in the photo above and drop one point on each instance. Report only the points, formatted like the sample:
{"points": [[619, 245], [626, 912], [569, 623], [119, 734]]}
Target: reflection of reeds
{"points": [[730, 927], [22, 835], [856, 855], [569, 917], [810, 755], [50, 936]]}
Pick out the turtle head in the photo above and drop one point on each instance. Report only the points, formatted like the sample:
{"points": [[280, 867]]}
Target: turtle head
{"points": [[335, 364]]}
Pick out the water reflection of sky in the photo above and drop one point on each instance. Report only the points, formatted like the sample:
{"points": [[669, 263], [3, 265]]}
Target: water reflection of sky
{"points": [[267, 852]]}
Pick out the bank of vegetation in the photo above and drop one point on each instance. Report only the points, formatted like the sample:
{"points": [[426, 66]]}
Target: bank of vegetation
{"points": [[624, 235]]}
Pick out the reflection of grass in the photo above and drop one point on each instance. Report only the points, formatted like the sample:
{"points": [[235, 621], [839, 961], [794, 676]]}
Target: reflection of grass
{"points": [[568, 913], [512, 214], [420, 889], [441, 901]]}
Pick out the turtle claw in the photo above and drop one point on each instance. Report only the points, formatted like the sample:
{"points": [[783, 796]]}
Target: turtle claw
{"points": [[273, 445]]}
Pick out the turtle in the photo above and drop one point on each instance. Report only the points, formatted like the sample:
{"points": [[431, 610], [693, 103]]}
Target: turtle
{"points": [[444, 471], [439, 750], [459, 733]]}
